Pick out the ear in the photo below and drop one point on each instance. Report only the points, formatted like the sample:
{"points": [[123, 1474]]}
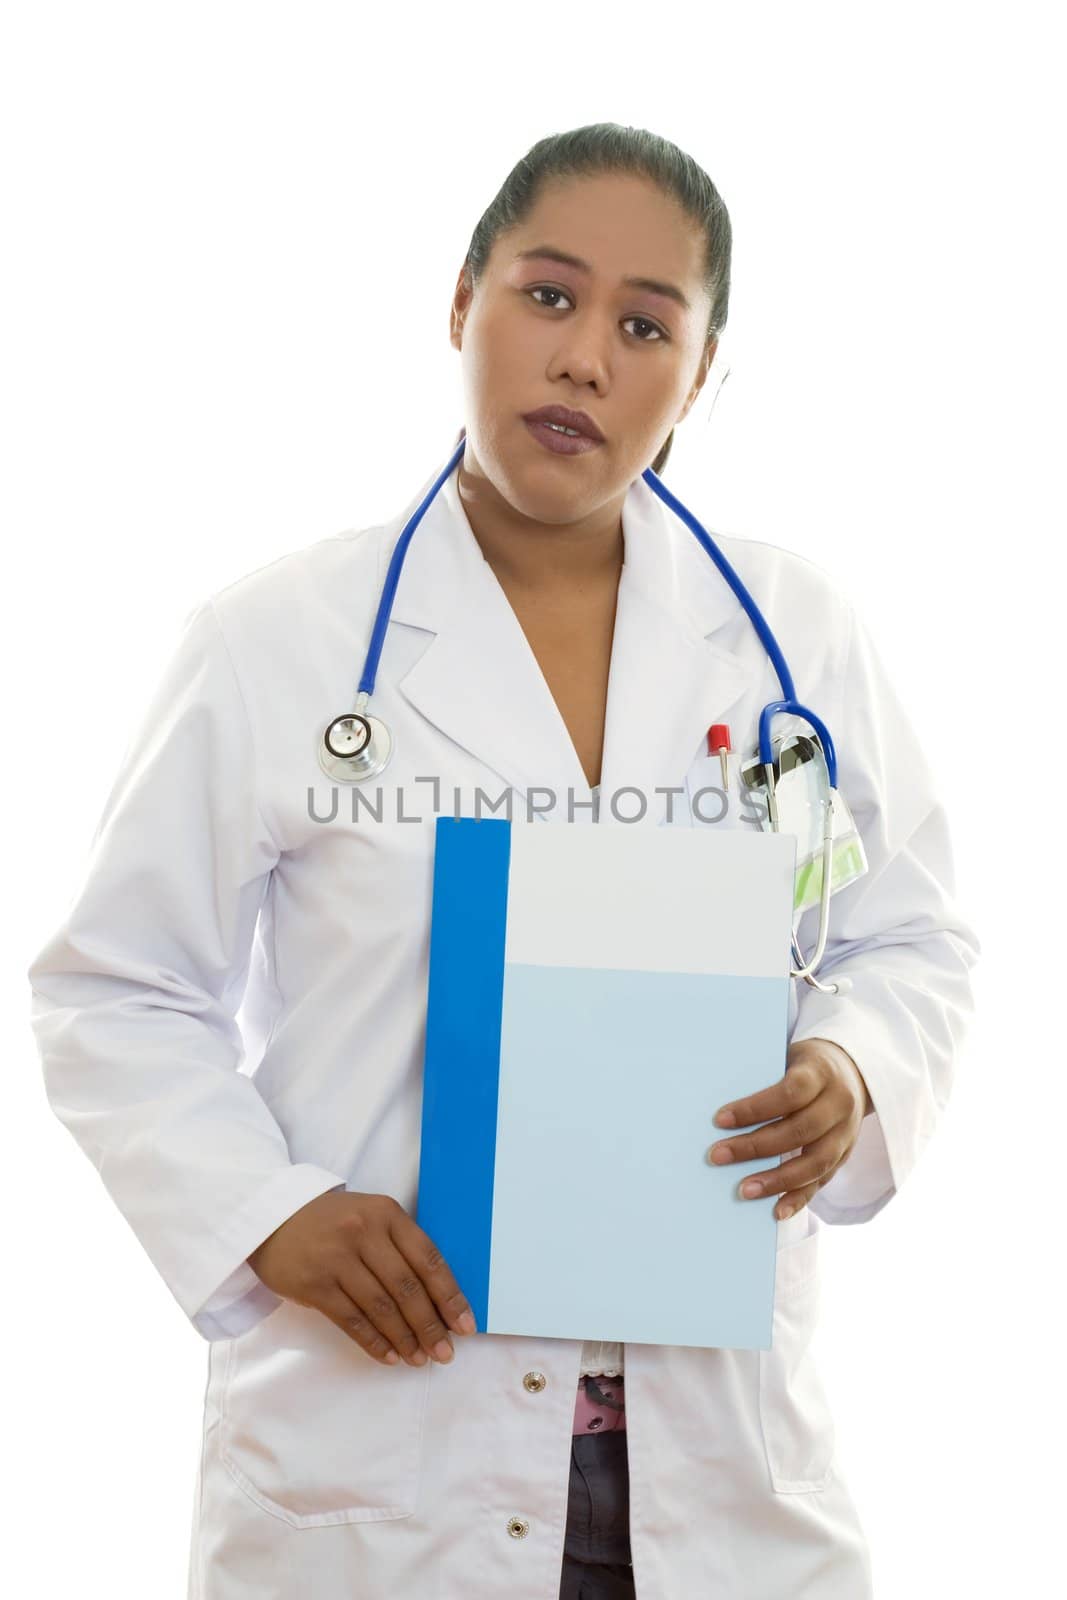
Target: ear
{"points": [[461, 302], [706, 358]]}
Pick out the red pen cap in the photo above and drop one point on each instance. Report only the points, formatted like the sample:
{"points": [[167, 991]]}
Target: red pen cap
{"points": [[718, 737]]}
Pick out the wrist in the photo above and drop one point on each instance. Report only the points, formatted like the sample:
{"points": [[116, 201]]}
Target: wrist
{"points": [[865, 1093]]}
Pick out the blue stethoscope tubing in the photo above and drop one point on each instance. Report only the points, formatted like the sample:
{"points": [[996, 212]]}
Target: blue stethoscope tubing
{"points": [[788, 704], [785, 678]]}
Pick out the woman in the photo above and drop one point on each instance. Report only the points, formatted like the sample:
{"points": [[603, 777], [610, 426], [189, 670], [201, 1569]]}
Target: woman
{"points": [[359, 1440]]}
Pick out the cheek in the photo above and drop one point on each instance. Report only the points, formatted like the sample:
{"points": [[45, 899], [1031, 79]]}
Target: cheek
{"points": [[497, 371], [663, 394]]}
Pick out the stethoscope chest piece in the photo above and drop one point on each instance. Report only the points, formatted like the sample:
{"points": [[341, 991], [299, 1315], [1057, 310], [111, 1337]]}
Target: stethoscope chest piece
{"points": [[355, 747]]}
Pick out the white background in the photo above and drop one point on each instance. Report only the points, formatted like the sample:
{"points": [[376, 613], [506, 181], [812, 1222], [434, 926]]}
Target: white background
{"points": [[232, 236]]}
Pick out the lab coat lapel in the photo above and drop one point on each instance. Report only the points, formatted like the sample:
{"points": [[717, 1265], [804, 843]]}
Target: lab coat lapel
{"points": [[670, 676], [479, 682]]}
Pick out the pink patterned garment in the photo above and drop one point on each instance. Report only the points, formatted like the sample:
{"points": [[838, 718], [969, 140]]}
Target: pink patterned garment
{"points": [[600, 1405]]}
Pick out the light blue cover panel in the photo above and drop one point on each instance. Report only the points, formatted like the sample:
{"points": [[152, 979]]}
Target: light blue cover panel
{"points": [[461, 1068], [607, 1220]]}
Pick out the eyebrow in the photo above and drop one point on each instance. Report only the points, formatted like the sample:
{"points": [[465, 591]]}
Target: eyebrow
{"points": [[652, 285]]}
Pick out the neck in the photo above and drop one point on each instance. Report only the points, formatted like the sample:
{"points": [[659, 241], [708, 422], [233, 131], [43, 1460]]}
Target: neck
{"points": [[538, 558]]}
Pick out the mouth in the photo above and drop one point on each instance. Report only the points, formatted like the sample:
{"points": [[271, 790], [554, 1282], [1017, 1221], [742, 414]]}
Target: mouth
{"points": [[567, 420], [564, 431]]}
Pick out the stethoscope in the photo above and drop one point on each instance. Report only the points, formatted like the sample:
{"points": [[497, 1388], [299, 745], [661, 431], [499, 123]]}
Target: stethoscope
{"points": [[356, 746]]}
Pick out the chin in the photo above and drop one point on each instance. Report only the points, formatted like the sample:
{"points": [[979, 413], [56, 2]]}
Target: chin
{"points": [[535, 495]]}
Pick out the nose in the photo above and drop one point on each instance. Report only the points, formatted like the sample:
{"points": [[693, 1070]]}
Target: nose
{"points": [[582, 360]]}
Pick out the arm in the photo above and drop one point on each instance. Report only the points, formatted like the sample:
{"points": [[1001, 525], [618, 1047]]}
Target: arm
{"points": [[134, 998], [239, 1303], [898, 936]]}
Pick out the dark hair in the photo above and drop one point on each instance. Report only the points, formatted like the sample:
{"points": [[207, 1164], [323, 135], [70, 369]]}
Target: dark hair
{"points": [[602, 147]]}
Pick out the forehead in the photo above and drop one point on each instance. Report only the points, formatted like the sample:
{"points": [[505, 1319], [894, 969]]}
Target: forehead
{"points": [[620, 223]]}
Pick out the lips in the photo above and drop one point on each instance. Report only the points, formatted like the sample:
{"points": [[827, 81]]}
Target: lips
{"points": [[565, 417]]}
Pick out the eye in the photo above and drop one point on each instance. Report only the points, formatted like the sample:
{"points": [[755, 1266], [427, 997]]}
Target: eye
{"points": [[548, 288]]}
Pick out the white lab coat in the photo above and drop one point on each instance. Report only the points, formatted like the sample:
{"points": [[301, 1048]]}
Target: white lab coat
{"points": [[213, 889]]}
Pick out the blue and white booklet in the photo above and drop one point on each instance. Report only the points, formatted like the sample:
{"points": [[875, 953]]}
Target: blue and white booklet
{"points": [[595, 995]]}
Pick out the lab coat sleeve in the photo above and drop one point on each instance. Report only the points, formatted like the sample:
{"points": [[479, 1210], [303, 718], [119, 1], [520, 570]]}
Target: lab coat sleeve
{"points": [[134, 998], [898, 936], [241, 1302]]}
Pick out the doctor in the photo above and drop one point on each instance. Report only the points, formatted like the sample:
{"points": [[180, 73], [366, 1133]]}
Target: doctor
{"points": [[556, 628]]}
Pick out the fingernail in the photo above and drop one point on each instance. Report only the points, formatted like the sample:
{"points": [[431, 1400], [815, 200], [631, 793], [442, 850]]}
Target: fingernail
{"points": [[443, 1350], [467, 1323], [725, 1119], [751, 1188]]}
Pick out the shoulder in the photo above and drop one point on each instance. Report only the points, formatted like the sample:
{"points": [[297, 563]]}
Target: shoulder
{"points": [[807, 608], [330, 571], [286, 622], [779, 576]]}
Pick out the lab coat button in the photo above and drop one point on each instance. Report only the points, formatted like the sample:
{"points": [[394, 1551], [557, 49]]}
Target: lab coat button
{"points": [[518, 1527], [534, 1381]]}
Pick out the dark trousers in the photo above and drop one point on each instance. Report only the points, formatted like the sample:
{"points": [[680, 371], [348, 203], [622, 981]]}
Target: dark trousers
{"points": [[596, 1548]]}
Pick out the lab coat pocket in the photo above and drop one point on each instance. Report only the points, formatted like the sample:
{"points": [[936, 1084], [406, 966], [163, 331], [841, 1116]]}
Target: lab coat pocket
{"points": [[710, 805], [316, 1431], [795, 1415]]}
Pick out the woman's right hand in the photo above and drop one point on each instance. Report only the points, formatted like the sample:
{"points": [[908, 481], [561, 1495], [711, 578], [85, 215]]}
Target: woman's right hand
{"points": [[366, 1264]]}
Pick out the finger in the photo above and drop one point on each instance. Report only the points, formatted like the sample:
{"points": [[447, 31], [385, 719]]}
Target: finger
{"points": [[393, 1296], [801, 1084], [337, 1305], [434, 1272], [794, 1199], [803, 1127], [813, 1163]]}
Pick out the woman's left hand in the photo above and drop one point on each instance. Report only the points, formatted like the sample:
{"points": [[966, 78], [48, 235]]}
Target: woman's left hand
{"points": [[821, 1103]]}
